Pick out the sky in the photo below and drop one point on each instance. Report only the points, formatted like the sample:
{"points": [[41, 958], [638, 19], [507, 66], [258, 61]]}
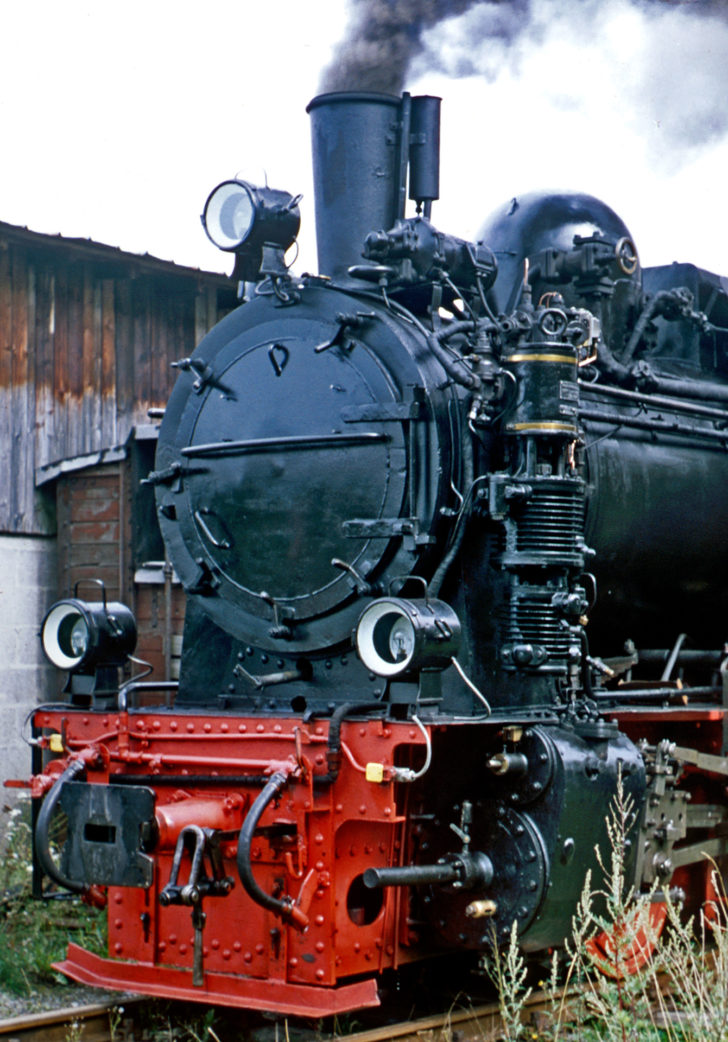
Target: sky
{"points": [[118, 119]]}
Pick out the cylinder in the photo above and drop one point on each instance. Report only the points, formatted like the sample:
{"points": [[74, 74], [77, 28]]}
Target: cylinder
{"points": [[356, 168], [424, 174]]}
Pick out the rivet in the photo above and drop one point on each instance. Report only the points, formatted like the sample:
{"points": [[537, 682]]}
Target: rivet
{"points": [[183, 949], [237, 946], [320, 974], [118, 948], [293, 962], [226, 953], [248, 957]]}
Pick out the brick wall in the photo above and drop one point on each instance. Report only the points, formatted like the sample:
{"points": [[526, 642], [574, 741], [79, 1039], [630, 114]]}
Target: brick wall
{"points": [[97, 527]]}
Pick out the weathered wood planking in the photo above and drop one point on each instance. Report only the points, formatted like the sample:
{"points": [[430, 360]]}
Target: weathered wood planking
{"points": [[87, 337]]}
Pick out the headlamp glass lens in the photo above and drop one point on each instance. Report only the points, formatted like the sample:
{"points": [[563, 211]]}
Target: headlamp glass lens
{"points": [[229, 215]]}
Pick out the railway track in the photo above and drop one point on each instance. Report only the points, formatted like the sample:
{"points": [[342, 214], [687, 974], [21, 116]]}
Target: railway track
{"points": [[90, 1023], [101, 1022], [93, 1023]]}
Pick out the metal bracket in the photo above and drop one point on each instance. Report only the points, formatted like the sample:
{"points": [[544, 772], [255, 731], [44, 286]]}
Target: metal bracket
{"points": [[203, 844], [388, 528], [345, 322]]}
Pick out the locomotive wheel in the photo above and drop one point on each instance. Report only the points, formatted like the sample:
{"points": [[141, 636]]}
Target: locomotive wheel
{"points": [[628, 947]]}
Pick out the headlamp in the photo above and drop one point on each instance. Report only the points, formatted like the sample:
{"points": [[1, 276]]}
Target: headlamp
{"points": [[80, 635], [395, 636], [243, 219]]}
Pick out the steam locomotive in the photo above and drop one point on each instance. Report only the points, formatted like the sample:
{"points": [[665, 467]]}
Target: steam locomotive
{"points": [[451, 520]]}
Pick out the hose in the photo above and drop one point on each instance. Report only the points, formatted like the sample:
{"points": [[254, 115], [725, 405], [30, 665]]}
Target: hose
{"points": [[42, 830], [283, 907], [436, 582], [456, 368]]}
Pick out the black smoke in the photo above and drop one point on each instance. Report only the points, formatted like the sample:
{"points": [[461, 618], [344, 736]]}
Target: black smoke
{"points": [[676, 84], [385, 36]]}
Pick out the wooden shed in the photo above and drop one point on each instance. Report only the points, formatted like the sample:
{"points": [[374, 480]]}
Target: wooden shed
{"points": [[87, 337]]}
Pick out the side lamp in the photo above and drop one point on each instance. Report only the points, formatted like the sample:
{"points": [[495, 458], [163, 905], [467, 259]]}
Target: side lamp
{"points": [[90, 639], [256, 224], [395, 636]]}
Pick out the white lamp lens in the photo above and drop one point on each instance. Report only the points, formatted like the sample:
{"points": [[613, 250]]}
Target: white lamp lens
{"points": [[65, 635], [385, 639], [229, 215]]}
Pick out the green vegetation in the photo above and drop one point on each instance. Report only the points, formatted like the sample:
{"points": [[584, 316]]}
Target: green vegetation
{"points": [[622, 978], [34, 934]]}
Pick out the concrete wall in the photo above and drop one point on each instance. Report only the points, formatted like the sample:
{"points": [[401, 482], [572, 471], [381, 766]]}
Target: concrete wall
{"points": [[28, 587]]}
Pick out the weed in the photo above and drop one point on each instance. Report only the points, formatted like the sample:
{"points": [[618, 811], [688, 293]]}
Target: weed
{"points": [[34, 934], [507, 970]]}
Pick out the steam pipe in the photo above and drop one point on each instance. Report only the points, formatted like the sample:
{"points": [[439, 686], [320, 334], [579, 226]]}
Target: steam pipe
{"points": [[283, 907], [42, 830]]}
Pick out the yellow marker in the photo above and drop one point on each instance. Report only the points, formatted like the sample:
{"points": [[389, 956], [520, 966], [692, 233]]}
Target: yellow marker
{"points": [[375, 772], [56, 743]]}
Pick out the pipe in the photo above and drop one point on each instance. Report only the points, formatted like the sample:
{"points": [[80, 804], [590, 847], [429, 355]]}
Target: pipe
{"points": [[333, 751], [654, 401], [284, 907], [42, 830], [461, 524], [412, 875], [654, 426]]}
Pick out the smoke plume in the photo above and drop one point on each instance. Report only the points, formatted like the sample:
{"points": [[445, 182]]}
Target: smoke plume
{"points": [[673, 81], [385, 36]]}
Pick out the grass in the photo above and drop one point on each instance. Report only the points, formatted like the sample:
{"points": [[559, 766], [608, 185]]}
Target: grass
{"points": [[32, 934]]}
